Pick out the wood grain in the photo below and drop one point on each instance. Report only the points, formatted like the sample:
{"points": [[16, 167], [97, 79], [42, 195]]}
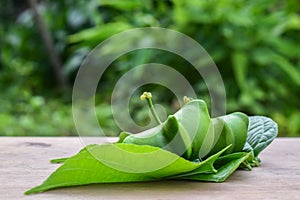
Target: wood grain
{"points": [[24, 163]]}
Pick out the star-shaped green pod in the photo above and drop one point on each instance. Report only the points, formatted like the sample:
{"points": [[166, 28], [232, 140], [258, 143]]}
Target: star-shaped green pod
{"points": [[184, 133], [191, 133]]}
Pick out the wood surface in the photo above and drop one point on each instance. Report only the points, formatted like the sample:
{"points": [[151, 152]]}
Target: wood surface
{"points": [[24, 163]]}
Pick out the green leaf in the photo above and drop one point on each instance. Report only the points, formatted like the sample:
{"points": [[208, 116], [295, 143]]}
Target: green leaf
{"points": [[120, 163], [261, 132], [98, 33], [115, 163]]}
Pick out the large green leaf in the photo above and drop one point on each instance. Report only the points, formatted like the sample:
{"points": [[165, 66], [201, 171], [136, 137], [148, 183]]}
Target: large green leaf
{"points": [[120, 163], [261, 132]]}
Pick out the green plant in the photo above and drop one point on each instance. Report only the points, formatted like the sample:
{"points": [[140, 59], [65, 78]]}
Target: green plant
{"points": [[254, 44], [31, 104], [131, 158]]}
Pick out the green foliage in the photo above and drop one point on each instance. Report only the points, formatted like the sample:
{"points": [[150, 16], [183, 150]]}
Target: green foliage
{"points": [[260, 39], [255, 45], [35, 116], [30, 102], [134, 157]]}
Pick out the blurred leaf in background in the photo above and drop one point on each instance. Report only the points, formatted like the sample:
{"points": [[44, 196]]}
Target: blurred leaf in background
{"points": [[255, 44]]}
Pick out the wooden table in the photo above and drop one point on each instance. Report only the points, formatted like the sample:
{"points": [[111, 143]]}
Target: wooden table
{"points": [[24, 163]]}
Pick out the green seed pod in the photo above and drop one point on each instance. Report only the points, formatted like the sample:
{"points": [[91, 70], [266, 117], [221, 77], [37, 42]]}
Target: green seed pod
{"points": [[195, 119], [230, 129], [192, 134]]}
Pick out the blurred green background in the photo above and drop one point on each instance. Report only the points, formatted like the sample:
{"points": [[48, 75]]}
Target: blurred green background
{"points": [[255, 44]]}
